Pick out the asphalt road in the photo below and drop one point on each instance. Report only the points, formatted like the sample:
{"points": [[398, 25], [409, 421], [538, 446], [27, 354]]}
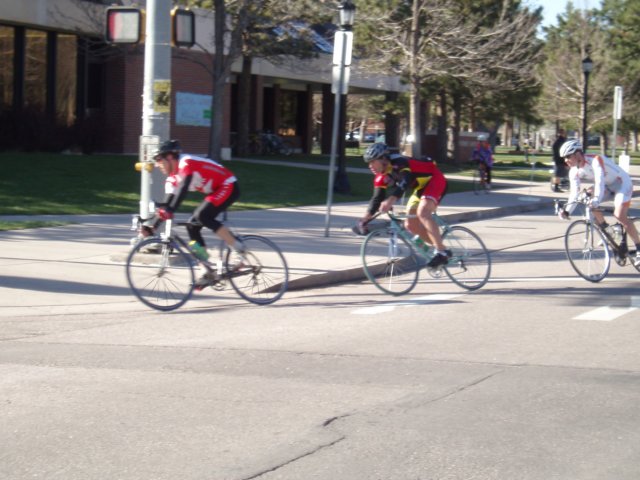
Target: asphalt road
{"points": [[536, 376]]}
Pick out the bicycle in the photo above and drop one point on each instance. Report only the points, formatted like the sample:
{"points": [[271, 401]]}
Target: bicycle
{"points": [[273, 144], [589, 246], [480, 182], [393, 263], [161, 270]]}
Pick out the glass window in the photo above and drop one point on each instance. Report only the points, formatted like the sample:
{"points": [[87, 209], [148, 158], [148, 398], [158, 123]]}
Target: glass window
{"points": [[95, 86], [6, 66], [35, 69], [288, 111], [66, 77]]}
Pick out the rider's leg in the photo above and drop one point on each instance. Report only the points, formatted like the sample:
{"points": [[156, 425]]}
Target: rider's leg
{"points": [[620, 212], [413, 223], [213, 205], [415, 226], [426, 209], [195, 231], [622, 202]]}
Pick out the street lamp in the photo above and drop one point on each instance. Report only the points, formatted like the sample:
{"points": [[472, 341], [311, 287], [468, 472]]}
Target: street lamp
{"points": [[342, 48], [587, 68]]}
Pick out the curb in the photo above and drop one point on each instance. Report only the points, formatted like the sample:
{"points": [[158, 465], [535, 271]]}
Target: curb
{"points": [[357, 273]]}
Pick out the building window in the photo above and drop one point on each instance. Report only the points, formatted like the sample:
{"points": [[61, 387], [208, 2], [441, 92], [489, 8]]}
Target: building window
{"points": [[95, 86], [288, 112], [66, 78], [35, 69], [6, 67]]}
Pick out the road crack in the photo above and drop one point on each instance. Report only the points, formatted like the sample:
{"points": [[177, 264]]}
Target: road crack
{"points": [[313, 451]]}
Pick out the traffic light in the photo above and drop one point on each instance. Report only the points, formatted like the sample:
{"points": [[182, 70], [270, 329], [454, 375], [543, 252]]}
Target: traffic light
{"points": [[183, 25], [124, 25]]}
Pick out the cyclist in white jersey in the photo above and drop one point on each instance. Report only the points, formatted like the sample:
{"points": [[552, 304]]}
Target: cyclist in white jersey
{"points": [[609, 182]]}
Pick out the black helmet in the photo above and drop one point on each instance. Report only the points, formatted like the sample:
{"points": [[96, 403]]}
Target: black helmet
{"points": [[170, 146]]}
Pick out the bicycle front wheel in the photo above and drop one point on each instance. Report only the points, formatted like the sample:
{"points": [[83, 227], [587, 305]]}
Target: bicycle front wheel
{"points": [[260, 275], [587, 251], [160, 273], [470, 263], [389, 262]]}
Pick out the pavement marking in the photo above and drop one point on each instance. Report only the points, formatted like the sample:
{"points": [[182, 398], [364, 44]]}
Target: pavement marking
{"points": [[605, 314], [389, 307]]}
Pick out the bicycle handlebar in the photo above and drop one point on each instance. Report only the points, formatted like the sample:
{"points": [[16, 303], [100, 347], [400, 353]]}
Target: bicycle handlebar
{"points": [[583, 198]]}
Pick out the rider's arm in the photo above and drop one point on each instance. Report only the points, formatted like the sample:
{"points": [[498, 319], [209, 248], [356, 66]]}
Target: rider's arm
{"points": [[599, 179], [179, 195], [176, 190], [574, 190], [379, 194]]}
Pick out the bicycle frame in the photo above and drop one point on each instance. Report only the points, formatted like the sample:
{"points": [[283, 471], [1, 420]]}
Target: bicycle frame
{"points": [[258, 273], [619, 250], [399, 229], [392, 261]]}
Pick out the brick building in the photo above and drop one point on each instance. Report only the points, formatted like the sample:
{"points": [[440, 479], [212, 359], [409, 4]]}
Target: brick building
{"points": [[54, 63]]}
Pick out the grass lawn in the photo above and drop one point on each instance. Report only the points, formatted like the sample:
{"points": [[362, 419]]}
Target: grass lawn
{"points": [[42, 183], [14, 225], [73, 184]]}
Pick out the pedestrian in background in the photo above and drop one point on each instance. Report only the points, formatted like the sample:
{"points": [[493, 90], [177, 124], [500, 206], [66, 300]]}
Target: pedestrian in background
{"points": [[559, 169]]}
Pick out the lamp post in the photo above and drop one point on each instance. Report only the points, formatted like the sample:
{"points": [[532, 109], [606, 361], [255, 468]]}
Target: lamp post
{"points": [[342, 47], [587, 68]]}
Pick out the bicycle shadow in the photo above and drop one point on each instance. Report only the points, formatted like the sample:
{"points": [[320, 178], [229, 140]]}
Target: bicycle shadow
{"points": [[51, 285]]}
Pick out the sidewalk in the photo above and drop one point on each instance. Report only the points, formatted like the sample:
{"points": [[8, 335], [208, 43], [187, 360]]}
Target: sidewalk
{"points": [[51, 257]]}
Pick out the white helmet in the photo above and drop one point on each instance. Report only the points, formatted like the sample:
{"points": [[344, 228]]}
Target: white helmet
{"points": [[483, 137], [569, 148]]}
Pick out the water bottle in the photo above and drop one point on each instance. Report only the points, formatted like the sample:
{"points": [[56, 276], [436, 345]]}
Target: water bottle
{"points": [[419, 243], [616, 231], [198, 250]]}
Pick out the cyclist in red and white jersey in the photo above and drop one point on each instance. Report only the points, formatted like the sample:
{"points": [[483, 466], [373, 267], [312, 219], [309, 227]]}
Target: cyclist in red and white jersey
{"points": [[188, 173], [609, 180]]}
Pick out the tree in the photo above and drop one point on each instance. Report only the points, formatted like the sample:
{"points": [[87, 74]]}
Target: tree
{"points": [[431, 41], [282, 32], [250, 29], [230, 20], [622, 19], [578, 34]]}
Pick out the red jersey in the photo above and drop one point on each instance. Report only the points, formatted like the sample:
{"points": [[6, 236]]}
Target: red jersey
{"points": [[207, 175]]}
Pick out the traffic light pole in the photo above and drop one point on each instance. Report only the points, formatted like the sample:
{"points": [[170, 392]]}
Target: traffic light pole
{"points": [[156, 98]]}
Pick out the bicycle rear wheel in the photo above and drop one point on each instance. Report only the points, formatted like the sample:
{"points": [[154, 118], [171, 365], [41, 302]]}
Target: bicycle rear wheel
{"points": [[587, 251], [160, 273], [261, 274], [636, 223], [470, 263], [389, 262]]}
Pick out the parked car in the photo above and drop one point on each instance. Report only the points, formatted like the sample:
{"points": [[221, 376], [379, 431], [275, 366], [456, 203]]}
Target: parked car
{"points": [[354, 135]]}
